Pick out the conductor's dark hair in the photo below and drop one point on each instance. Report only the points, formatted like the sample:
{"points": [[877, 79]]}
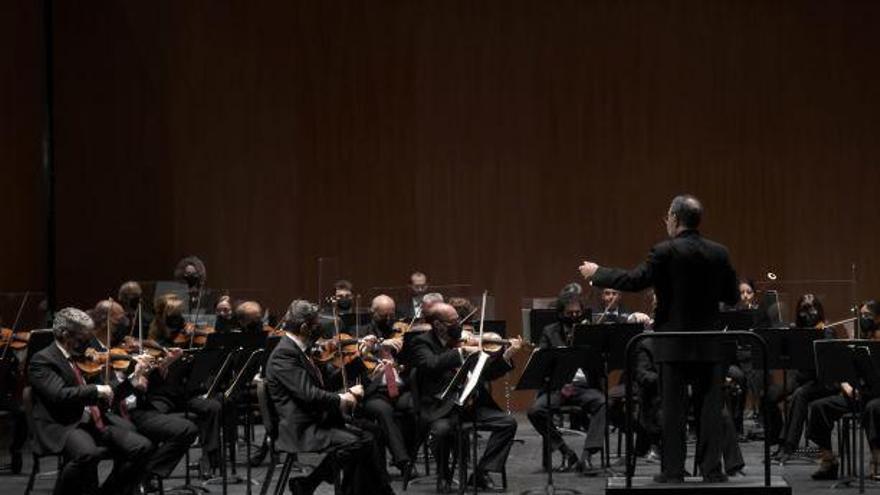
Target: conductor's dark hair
{"points": [[566, 298], [197, 263], [688, 210]]}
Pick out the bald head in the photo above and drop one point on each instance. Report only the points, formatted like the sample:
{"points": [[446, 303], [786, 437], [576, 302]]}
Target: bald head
{"points": [[130, 294], [248, 312], [382, 307], [105, 308]]}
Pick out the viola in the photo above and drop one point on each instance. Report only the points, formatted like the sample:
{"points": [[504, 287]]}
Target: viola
{"points": [[339, 353], [192, 336]]}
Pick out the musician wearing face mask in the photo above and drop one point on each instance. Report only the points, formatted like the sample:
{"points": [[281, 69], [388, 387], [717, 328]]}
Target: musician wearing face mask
{"points": [[225, 322], [130, 296], [192, 272], [869, 320], [387, 396], [802, 387], [168, 393], [436, 357], [120, 326], [310, 415], [249, 315], [584, 392], [70, 418]]}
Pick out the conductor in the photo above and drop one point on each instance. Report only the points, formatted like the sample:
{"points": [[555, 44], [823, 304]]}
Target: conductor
{"points": [[690, 275]]}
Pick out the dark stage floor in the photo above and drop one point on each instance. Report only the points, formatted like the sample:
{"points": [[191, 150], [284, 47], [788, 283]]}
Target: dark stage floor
{"points": [[522, 468]]}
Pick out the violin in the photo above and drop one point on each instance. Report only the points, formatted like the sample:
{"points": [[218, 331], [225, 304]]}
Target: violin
{"points": [[14, 340], [192, 336], [339, 353], [92, 362]]}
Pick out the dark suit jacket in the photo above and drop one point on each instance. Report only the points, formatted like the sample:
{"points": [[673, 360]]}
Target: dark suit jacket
{"points": [[305, 410], [59, 402], [690, 274], [436, 365]]}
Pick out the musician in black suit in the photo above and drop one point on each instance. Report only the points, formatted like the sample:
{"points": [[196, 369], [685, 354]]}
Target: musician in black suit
{"points": [[381, 400], [69, 416], [691, 276], [311, 417], [584, 391], [436, 360]]}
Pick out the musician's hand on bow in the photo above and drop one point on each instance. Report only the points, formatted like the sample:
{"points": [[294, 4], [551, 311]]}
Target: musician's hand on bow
{"points": [[516, 344], [347, 401], [394, 344], [847, 390], [378, 370], [368, 342], [588, 269], [105, 392]]}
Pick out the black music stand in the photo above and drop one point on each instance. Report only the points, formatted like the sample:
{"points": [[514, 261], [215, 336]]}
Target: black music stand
{"points": [[609, 340], [241, 379], [549, 370], [836, 363], [453, 393]]}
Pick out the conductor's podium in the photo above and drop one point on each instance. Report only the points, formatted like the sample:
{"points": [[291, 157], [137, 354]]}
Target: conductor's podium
{"points": [[749, 485]]}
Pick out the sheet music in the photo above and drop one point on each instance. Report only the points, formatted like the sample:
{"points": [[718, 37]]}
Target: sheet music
{"points": [[473, 378]]}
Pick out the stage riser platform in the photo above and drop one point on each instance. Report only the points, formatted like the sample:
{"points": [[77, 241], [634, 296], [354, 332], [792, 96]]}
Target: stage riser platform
{"points": [[752, 485]]}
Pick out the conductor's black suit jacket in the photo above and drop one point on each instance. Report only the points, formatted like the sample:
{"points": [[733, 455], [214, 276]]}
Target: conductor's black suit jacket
{"points": [[690, 275]]}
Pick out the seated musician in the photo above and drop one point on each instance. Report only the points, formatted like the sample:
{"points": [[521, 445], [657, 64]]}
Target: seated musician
{"points": [[411, 306], [613, 310], [168, 392], [802, 388], [341, 303], [826, 411], [747, 299], [249, 316], [384, 390], [225, 322], [171, 434], [311, 416], [584, 392], [436, 356], [70, 416], [192, 272], [130, 296], [120, 326]]}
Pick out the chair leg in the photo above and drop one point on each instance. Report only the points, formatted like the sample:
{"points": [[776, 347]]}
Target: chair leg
{"points": [[504, 478], [270, 470], [284, 475], [337, 476], [34, 470]]}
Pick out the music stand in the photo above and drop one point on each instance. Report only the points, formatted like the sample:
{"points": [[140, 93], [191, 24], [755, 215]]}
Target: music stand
{"points": [[241, 379], [609, 340], [549, 370], [836, 362]]}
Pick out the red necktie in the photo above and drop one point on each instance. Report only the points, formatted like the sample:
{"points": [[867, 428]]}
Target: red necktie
{"points": [[391, 382], [93, 410]]}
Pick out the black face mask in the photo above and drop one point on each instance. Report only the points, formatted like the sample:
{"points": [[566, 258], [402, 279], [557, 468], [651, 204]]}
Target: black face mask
{"points": [[570, 320], [867, 324], [223, 324], [807, 319], [78, 349], [254, 327], [454, 332], [132, 304], [191, 279], [175, 322], [344, 304]]}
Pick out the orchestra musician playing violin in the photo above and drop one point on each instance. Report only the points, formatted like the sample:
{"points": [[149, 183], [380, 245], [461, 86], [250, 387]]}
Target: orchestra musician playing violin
{"points": [[385, 392], [584, 392], [130, 296], [171, 434], [72, 417], [168, 392], [436, 356], [311, 415], [249, 315]]}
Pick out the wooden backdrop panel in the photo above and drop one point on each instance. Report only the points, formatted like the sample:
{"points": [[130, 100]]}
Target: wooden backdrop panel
{"points": [[496, 143]]}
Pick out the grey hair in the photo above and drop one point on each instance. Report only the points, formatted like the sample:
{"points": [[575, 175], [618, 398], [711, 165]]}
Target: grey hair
{"points": [[70, 320], [432, 297], [300, 311], [374, 304]]}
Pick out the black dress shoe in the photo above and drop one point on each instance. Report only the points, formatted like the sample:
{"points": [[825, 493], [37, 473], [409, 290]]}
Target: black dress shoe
{"points": [[569, 463], [484, 481], [665, 478], [260, 455], [16, 464], [407, 473], [298, 486], [714, 478]]}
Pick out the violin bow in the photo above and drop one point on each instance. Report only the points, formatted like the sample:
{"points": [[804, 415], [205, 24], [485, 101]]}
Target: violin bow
{"points": [[195, 316], [339, 346], [15, 323], [109, 342], [482, 317]]}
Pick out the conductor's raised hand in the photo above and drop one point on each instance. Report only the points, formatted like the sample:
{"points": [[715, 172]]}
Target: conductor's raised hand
{"points": [[588, 269]]}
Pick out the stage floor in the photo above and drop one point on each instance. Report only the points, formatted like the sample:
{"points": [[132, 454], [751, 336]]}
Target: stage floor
{"points": [[522, 468]]}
